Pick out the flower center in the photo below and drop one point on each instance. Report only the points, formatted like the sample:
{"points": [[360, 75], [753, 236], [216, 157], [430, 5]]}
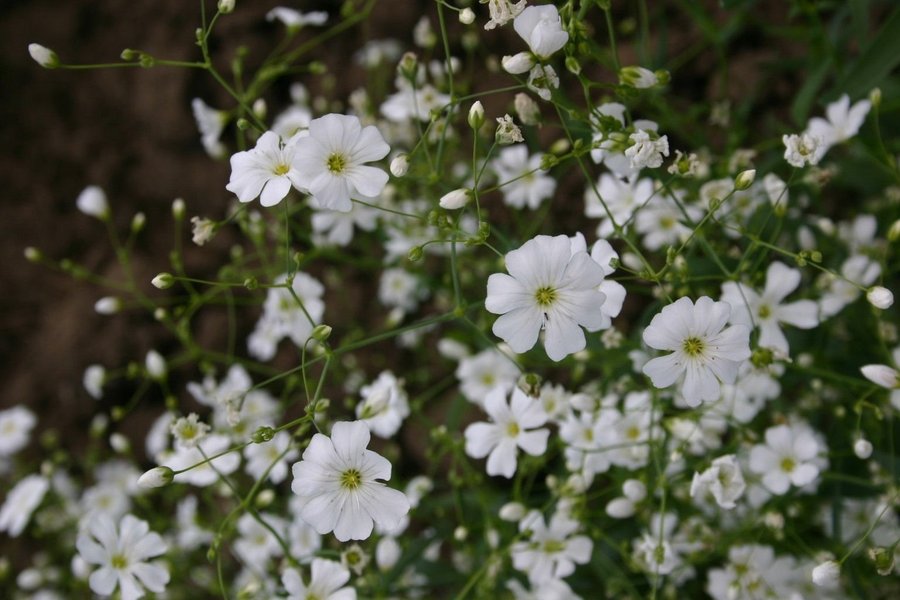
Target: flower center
{"points": [[633, 433], [512, 429], [666, 223], [553, 546], [118, 561], [351, 479], [787, 465], [336, 163], [693, 346], [545, 296], [281, 169], [764, 311]]}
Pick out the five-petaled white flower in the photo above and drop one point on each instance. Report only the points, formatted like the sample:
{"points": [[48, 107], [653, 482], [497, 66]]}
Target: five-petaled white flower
{"points": [[767, 310], [268, 171], [549, 287], [541, 28], [787, 457], [843, 121], [336, 482], [703, 349], [326, 583], [330, 161], [512, 427], [122, 553]]}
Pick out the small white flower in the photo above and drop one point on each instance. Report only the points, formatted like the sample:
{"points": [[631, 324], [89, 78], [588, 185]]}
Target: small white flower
{"points": [[384, 405], [843, 121], [528, 110], [521, 181], [507, 131], [330, 161], [548, 288], [267, 171], [801, 150], [724, 480], [503, 11], [21, 502], [202, 230], [862, 448], [703, 349], [828, 573], [787, 457], [92, 202], [551, 551], [327, 582], [542, 80], [337, 483], [541, 28], [481, 373], [767, 310], [122, 553], [647, 150], [15, 429], [294, 19], [189, 431], [210, 122], [270, 457], [880, 297]]}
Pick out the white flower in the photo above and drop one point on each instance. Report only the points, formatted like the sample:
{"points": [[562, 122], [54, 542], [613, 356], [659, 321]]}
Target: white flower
{"points": [[336, 481], [189, 431], [92, 202], [410, 102], [858, 270], [503, 11], [48, 59], [512, 426], [210, 122], [206, 472], [507, 131], [267, 171], [883, 375], [880, 297], [272, 457], [330, 161], [660, 222], [481, 373], [121, 553], [384, 405], [284, 317], [767, 310], [15, 429], [520, 178], [21, 502], [828, 573], [542, 80], [703, 350], [724, 480], [842, 124], [786, 458], [294, 19], [801, 150], [646, 151], [257, 544], [292, 122], [326, 583], [551, 551], [862, 448], [551, 288], [541, 28], [621, 199]]}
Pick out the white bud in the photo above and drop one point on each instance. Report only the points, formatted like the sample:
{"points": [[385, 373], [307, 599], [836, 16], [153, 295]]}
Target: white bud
{"points": [[634, 490], [119, 443], [518, 63], [138, 222], [93, 379], [527, 109], [455, 199], [862, 448], [620, 508], [155, 364], [387, 553], [460, 533], [178, 209], [163, 281], [476, 115], [826, 574], [92, 202], [512, 511], [880, 297], [467, 16], [260, 108], [108, 305], [156, 477], [638, 77], [744, 179], [32, 254], [43, 56], [226, 6], [400, 165]]}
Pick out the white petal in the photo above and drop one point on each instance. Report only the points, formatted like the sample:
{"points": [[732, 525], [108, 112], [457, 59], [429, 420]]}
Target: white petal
{"points": [[103, 581], [882, 375], [781, 280], [664, 370], [534, 442], [519, 328], [502, 461], [275, 191]]}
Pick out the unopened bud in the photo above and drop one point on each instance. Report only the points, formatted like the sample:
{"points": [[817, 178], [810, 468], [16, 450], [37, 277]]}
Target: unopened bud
{"points": [[862, 448], [880, 297], [512, 511], [893, 233], [400, 165], [138, 222], [744, 179], [92, 202], [178, 209], [476, 115], [108, 305], [43, 56], [467, 16], [883, 559], [826, 574], [455, 199], [262, 435], [518, 63], [32, 254], [226, 6], [415, 254], [875, 97], [321, 332], [163, 281], [156, 477], [527, 109]]}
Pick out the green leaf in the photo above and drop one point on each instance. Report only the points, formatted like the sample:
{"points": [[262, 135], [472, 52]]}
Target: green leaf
{"points": [[874, 64]]}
